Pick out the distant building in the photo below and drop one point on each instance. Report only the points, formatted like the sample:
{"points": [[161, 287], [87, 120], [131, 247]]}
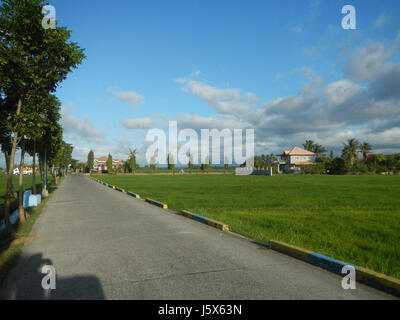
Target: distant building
{"points": [[25, 171], [292, 160], [100, 163]]}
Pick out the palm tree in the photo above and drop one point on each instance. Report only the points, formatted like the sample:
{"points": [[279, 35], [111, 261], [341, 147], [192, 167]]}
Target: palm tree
{"points": [[350, 151], [365, 149], [318, 150], [309, 145], [132, 160]]}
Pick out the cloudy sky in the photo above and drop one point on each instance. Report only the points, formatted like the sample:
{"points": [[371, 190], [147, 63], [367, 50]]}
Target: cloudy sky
{"points": [[285, 68]]}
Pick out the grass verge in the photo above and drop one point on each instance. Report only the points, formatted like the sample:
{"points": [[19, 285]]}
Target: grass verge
{"points": [[11, 247]]}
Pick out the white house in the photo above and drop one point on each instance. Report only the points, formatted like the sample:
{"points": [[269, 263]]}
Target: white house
{"points": [[100, 163], [292, 159]]}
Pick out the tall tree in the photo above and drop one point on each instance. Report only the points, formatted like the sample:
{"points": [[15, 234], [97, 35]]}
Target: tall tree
{"points": [[109, 164], [33, 61], [132, 160], [365, 149], [190, 163], [153, 163], [171, 162], [309, 145], [350, 151], [318, 150], [90, 160]]}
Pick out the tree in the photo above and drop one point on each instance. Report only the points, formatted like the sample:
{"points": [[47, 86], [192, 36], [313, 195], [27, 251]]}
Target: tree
{"points": [[350, 151], [338, 166], [109, 163], [309, 145], [132, 160], [318, 150], [171, 162], [206, 164], [190, 164], [152, 163], [365, 149], [33, 61], [90, 160]]}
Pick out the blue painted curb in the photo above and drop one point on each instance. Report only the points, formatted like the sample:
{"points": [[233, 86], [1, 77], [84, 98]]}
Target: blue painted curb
{"points": [[327, 263]]}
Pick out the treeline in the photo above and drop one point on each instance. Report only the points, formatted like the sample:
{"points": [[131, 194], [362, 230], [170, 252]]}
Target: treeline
{"points": [[355, 159], [33, 62]]}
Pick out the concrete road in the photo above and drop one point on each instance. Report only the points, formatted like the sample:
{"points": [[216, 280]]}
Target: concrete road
{"points": [[105, 244]]}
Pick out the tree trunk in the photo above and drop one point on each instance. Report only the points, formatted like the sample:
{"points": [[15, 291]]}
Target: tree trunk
{"points": [[41, 171], [21, 209], [7, 157], [9, 227], [34, 168]]}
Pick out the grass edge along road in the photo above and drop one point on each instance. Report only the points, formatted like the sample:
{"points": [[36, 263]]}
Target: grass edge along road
{"points": [[10, 249], [355, 219]]}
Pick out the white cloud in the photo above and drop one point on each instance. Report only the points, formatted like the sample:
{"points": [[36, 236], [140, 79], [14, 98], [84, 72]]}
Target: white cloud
{"points": [[225, 101], [138, 123], [80, 128], [251, 97], [368, 62], [379, 22], [198, 122], [132, 97]]}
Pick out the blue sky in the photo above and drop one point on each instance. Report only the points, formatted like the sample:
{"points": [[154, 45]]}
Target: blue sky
{"points": [[285, 68]]}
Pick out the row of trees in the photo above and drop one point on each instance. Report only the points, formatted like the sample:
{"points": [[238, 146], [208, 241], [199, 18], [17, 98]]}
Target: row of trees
{"points": [[33, 62], [354, 159], [130, 165]]}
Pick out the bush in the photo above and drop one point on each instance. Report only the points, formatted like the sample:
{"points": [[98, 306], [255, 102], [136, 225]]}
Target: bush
{"points": [[339, 166], [314, 169]]}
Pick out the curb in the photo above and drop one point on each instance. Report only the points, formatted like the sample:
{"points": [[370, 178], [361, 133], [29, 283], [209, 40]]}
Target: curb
{"points": [[116, 188], [135, 195], [371, 278], [201, 219], [158, 204], [378, 281], [289, 250]]}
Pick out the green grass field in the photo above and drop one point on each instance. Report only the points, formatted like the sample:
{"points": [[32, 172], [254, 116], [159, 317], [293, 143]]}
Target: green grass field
{"points": [[3, 185], [352, 218]]}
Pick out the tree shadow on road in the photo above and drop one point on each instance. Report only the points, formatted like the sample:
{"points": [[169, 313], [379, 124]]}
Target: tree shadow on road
{"points": [[25, 283]]}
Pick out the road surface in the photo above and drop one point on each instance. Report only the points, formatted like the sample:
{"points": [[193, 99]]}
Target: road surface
{"points": [[105, 244]]}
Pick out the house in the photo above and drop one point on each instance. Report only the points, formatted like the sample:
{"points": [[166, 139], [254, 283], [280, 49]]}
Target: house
{"points": [[100, 163], [292, 160]]}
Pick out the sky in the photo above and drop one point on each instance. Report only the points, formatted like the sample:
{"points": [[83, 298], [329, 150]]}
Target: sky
{"points": [[286, 69]]}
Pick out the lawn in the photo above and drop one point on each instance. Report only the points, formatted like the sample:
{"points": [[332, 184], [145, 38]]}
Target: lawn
{"points": [[3, 185], [352, 218]]}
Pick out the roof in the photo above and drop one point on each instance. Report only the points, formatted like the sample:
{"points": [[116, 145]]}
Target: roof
{"points": [[296, 151], [104, 159], [372, 156]]}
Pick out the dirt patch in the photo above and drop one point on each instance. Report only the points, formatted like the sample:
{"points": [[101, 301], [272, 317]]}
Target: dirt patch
{"points": [[23, 240]]}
